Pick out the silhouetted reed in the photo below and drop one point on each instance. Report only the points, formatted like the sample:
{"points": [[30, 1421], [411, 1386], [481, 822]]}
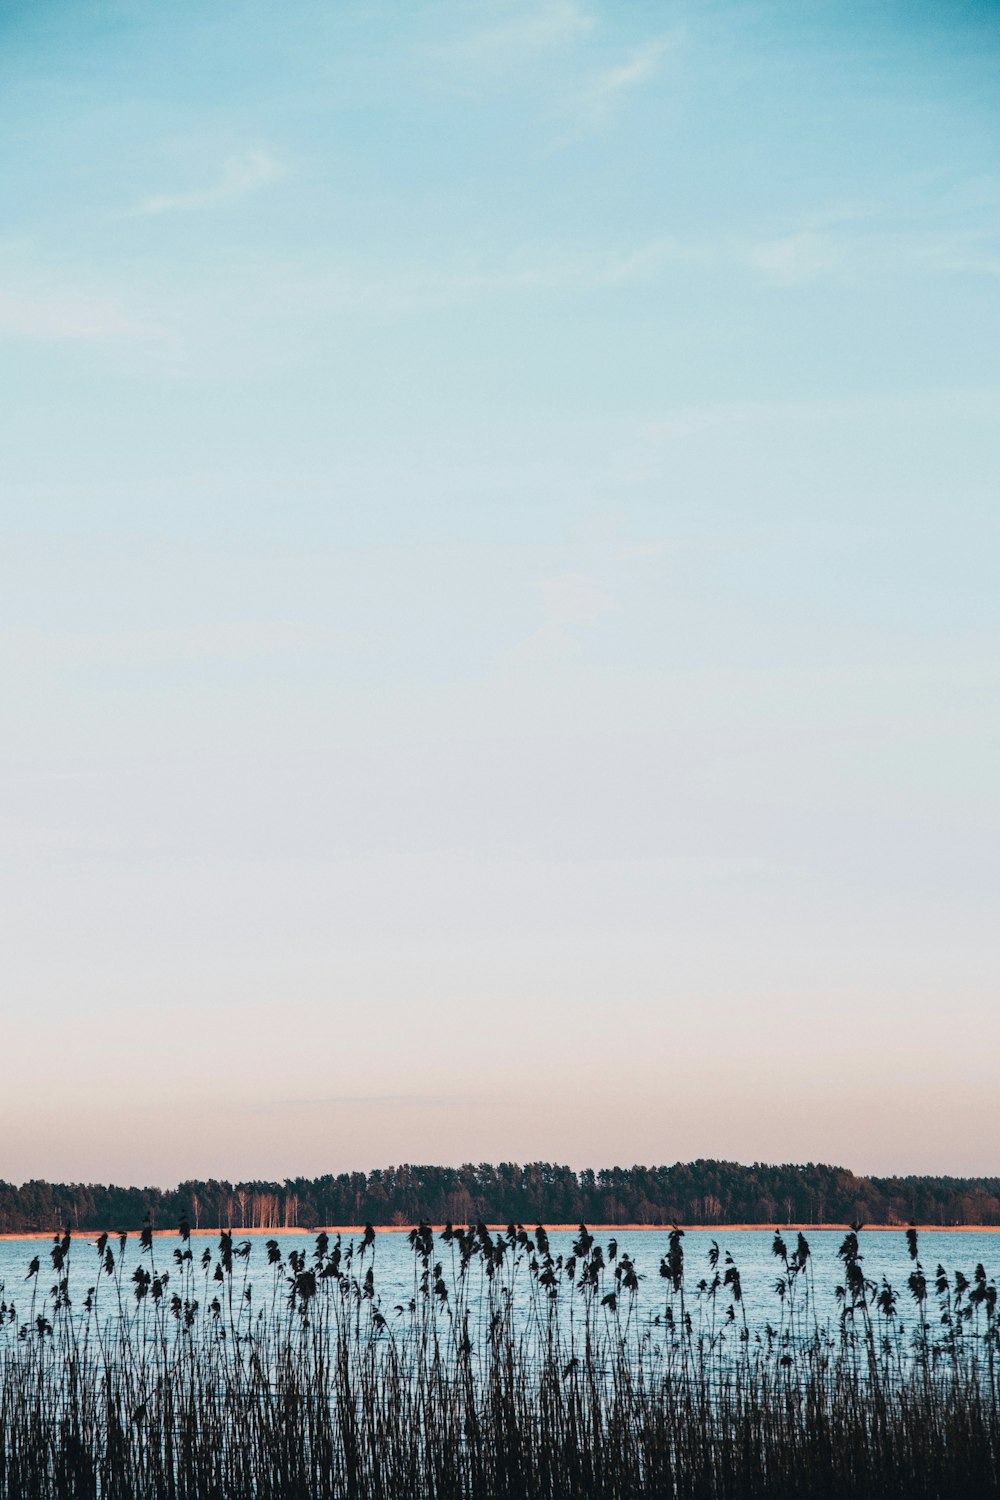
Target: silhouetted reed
{"points": [[505, 1371]]}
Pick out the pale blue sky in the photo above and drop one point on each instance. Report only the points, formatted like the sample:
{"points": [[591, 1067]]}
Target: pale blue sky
{"points": [[498, 584]]}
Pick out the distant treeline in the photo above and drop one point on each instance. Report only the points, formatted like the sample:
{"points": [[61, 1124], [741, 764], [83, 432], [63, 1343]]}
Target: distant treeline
{"points": [[699, 1192]]}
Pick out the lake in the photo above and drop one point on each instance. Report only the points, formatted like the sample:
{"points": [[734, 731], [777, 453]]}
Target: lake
{"points": [[884, 1256]]}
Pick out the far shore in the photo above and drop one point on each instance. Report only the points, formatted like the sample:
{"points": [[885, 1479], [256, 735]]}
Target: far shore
{"points": [[90, 1234]]}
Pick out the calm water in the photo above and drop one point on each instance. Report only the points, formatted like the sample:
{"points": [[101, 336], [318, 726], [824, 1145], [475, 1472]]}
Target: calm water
{"points": [[885, 1255]]}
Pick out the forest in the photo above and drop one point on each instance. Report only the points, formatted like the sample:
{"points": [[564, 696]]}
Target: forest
{"points": [[698, 1192]]}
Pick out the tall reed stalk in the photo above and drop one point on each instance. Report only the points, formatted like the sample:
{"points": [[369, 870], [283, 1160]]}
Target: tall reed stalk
{"points": [[508, 1373]]}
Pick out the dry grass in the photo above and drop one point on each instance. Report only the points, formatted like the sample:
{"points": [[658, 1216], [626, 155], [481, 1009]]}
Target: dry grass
{"points": [[509, 1372]]}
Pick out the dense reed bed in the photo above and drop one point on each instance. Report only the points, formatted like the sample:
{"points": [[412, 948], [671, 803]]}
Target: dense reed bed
{"points": [[506, 1370]]}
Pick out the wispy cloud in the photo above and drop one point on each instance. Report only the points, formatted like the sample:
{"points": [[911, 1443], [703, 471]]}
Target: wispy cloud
{"points": [[237, 641], [795, 258], [503, 43], [353, 1101], [818, 250], [599, 98], [959, 254], [535, 270], [727, 416], [573, 599], [240, 175], [814, 254], [70, 316]]}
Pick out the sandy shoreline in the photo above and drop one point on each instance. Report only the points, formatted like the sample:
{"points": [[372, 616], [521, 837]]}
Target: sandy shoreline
{"points": [[91, 1234]]}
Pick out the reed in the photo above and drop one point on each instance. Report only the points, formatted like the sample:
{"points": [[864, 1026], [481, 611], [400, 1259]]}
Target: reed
{"points": [[506, 1371]]}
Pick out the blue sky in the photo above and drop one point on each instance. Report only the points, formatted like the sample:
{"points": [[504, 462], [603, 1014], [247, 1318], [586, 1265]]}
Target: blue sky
{"points": [[498, 612]]}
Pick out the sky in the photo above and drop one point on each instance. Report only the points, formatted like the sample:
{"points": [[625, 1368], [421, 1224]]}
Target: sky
{"points": [[499, 627]]}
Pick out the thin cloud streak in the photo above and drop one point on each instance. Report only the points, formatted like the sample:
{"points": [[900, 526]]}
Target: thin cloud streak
{"points": [[810, 255], [695, 420], [284, 1106], [413, 288], [241, 176], [798, 257], [75, 318], [221, 641], [505, 44], [598, 100]]}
